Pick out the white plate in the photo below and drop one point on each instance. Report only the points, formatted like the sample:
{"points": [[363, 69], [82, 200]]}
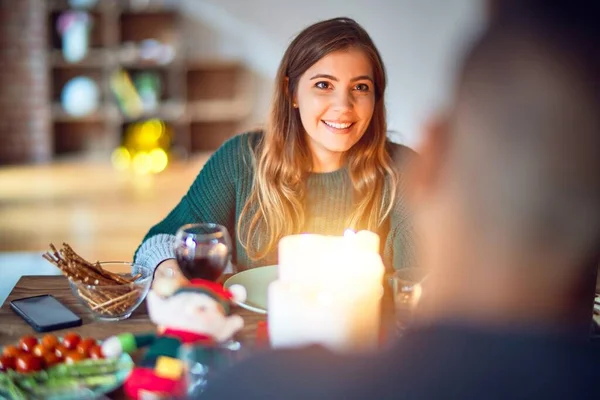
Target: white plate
{"points": [[256, 281]]}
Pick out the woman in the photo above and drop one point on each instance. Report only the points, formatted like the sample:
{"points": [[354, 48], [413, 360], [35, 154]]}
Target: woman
{"points": [[322, 165]]}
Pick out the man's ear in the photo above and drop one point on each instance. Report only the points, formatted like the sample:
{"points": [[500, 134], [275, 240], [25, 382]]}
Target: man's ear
{"points": [[425, 170]]}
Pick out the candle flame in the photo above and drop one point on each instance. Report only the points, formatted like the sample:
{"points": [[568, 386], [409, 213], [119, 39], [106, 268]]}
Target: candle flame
{"points": [[349, 233]]}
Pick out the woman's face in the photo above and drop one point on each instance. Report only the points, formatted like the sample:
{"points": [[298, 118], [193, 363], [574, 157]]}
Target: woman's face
{"points": [[336, 98]]}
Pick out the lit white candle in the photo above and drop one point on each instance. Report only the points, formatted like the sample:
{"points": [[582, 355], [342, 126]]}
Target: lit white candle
{"points": [[329, 292], [362, 240]]}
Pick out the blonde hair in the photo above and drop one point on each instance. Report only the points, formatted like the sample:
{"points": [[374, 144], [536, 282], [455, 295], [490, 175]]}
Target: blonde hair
{"points": [[275, 207]]}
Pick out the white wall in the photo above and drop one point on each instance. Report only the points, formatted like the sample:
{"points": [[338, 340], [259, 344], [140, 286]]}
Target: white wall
{"points": [[421, 42]]}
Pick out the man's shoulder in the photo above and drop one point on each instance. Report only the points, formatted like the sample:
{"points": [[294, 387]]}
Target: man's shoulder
{"points": [[429, 363], [306, 373], [519, 364]]}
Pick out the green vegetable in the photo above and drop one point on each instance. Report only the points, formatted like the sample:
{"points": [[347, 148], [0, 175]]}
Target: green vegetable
{"points": [[9, 390], [62, 379]]}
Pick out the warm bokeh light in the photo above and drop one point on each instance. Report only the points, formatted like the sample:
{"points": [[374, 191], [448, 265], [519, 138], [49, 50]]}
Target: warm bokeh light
{"points": [[158, 160], [142, 164], [145, 148], [120, 158]]}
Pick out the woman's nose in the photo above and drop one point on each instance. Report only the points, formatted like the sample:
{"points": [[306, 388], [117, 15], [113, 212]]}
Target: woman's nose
{"points": [[343, 100]]}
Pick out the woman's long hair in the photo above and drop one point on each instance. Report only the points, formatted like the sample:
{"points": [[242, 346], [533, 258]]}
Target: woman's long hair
{"points": [[275, 207]]}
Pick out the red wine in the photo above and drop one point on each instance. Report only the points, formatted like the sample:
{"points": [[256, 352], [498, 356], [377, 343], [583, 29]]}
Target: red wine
{"points": [[201, 268], [202, 262]]}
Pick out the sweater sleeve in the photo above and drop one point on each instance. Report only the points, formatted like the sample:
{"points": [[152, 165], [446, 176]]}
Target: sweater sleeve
{"points": [[211, 198], [400, 243]]}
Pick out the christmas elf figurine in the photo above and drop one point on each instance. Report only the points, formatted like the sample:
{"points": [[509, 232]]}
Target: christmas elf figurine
{"points": [[197, 315]]}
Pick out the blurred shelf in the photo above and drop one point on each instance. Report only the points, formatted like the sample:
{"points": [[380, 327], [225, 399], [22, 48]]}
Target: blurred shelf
{"points": [[213, 64], [204, 100], [149, 10], [105, 113], [149, 64], [150, 6], [95, 58], [129, 56], [124, 6], [100, 6], [218, 110], [169, 111]]}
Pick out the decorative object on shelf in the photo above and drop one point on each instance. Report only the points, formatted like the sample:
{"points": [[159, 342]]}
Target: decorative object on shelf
{"points": [[145, 148], [80, 96], [148, 51], [154, 50], [74, 28], [194, 323], [204, 100], [84, 4], [148, 85], [127, 96], [140, 5], [328, 292]]}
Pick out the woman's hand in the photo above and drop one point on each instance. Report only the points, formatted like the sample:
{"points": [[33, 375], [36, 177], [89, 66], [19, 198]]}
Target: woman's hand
{"points": [[168, 269], [167, 278]]}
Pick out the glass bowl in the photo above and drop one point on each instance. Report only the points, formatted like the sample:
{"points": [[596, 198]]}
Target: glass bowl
{"points": [[115, 302]]}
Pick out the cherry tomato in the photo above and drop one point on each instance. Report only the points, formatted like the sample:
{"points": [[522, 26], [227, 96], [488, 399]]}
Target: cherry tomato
{"points": [[96, 352], [7, 362], [60, 351], [85, 345], [39, 350], [29, 363], [27, 343], [73, 357], [11, 350], [71, 340], [49, 341], [51, 359]]}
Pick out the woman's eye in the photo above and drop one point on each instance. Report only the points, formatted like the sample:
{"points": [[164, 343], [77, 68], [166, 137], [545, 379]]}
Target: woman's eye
{"points": [[362, 87], [322, 85]]}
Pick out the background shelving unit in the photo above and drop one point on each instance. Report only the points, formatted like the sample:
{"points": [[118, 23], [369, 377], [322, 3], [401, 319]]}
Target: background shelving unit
{"points": [[202, 101]]}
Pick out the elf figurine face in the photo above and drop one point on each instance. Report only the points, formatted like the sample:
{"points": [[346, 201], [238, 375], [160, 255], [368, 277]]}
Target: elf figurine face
{"points": [[200, 308]]}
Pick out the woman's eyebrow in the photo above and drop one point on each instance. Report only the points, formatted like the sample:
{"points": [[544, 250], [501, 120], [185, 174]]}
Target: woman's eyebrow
{"points": [[333, 78]]}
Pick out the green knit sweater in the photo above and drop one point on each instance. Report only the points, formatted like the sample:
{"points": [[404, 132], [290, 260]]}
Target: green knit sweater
{"points": [[222, 187]]}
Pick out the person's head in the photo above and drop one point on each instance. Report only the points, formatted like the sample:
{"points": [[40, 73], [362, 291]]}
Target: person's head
{"points": [[330, 88], [508, 184], [328, 111]]}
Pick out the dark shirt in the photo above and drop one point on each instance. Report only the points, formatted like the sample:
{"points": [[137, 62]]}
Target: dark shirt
{"points": [[437, 362]]}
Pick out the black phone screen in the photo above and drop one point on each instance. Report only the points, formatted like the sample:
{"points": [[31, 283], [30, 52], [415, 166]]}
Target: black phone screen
{"points": [[45, 313]]}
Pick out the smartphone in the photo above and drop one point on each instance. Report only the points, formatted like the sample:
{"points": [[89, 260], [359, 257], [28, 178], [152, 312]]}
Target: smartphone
{"points": [[45, 313]]}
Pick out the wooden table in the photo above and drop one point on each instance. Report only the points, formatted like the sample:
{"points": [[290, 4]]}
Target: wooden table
{"points": [[12, 326]]}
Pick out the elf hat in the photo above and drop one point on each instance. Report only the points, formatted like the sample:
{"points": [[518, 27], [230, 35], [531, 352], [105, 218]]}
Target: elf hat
{"points": [[224, 296]]}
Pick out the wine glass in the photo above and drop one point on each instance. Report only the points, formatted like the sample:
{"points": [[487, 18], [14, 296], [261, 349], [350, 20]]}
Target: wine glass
{"points": [[407, 289], [203, 250]]}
